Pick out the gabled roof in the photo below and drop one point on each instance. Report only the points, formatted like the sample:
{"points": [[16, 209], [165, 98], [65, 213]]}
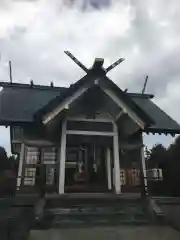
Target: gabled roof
{"points": [[20, 102], [105, 81]]}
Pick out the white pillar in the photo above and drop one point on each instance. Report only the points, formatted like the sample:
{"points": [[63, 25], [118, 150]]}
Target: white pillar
{"points": [[62, 158], [21, 161], [117, 180], [144, 168], [108, 166]]}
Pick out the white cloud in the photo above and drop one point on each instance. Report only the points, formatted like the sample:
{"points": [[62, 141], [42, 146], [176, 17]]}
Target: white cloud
{"points": [[52, 28], [170, 99], [34, 34]]}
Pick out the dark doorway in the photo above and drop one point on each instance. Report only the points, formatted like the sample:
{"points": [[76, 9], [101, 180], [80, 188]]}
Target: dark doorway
{"points": [[86, 164]]}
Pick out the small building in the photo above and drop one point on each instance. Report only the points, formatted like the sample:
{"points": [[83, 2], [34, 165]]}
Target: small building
{"points": [[88, 137]]}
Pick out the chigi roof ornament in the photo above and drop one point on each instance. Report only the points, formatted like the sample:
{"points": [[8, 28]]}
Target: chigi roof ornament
{"points": [[97, 66]]}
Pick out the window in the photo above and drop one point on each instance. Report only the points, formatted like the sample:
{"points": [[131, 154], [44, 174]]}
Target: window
{"points": [[122, 177], [49, 158], [155, 174], [29, 176], [49, 175], [49, 155], [32, 155], [132, 177], [17, 133], [135, 174]]}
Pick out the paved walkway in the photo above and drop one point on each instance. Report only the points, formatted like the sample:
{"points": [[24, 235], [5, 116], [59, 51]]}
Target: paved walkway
{"points": [[108, 233]]}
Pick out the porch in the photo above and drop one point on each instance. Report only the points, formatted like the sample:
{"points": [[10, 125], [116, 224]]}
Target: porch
{"points": [[96, 158]]}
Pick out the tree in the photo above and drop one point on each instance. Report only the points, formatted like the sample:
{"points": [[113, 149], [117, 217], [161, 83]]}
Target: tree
{"points": [[157, 156], [172, 169], [7, 174], [4, 163], [13, 163], [169, 161]]}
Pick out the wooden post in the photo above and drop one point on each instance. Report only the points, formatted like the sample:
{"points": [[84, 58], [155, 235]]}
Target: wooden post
{"points": [[144, 172], [108, 165], [21, 161], [62, 159], [86, 163], [116, 160]]}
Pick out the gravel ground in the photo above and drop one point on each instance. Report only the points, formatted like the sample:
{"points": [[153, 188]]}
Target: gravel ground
{"points": [[111, 233]]}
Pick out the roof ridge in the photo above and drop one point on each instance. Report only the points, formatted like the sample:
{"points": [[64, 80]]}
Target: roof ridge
{"points": [[144, 95]]}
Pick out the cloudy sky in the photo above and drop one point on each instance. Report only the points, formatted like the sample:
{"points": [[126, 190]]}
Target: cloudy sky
{"points": [[34, 34]]}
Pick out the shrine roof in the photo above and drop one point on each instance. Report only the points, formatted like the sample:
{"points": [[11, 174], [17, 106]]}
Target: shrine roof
{"points": [[20, 102]]}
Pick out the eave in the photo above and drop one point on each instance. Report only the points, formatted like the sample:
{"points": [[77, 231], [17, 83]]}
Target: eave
{"points": [[8, 123], [160, 131], [26, 85]]}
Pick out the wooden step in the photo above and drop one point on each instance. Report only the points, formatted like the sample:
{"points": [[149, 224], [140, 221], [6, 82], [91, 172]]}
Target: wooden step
{"points": [[91, 199]]}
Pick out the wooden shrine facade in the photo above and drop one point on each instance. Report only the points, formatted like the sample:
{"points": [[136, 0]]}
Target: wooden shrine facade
{"points": [[88, 137]]}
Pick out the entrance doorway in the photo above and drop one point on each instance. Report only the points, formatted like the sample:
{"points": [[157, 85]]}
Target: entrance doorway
{"points": [[86, 168]]}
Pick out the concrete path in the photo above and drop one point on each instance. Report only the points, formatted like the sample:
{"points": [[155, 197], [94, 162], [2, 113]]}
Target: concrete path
{"points": [[108, 233]]}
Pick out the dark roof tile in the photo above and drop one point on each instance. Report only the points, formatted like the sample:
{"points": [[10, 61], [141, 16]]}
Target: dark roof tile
{"points": [[19, 104], [163, 122]]}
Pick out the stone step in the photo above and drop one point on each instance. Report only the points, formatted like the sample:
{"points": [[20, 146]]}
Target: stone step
{"points": [[95, 221], [90, 199], [94, 210], [85, 216], [121, 216], [93, 213], [60, 221]]}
